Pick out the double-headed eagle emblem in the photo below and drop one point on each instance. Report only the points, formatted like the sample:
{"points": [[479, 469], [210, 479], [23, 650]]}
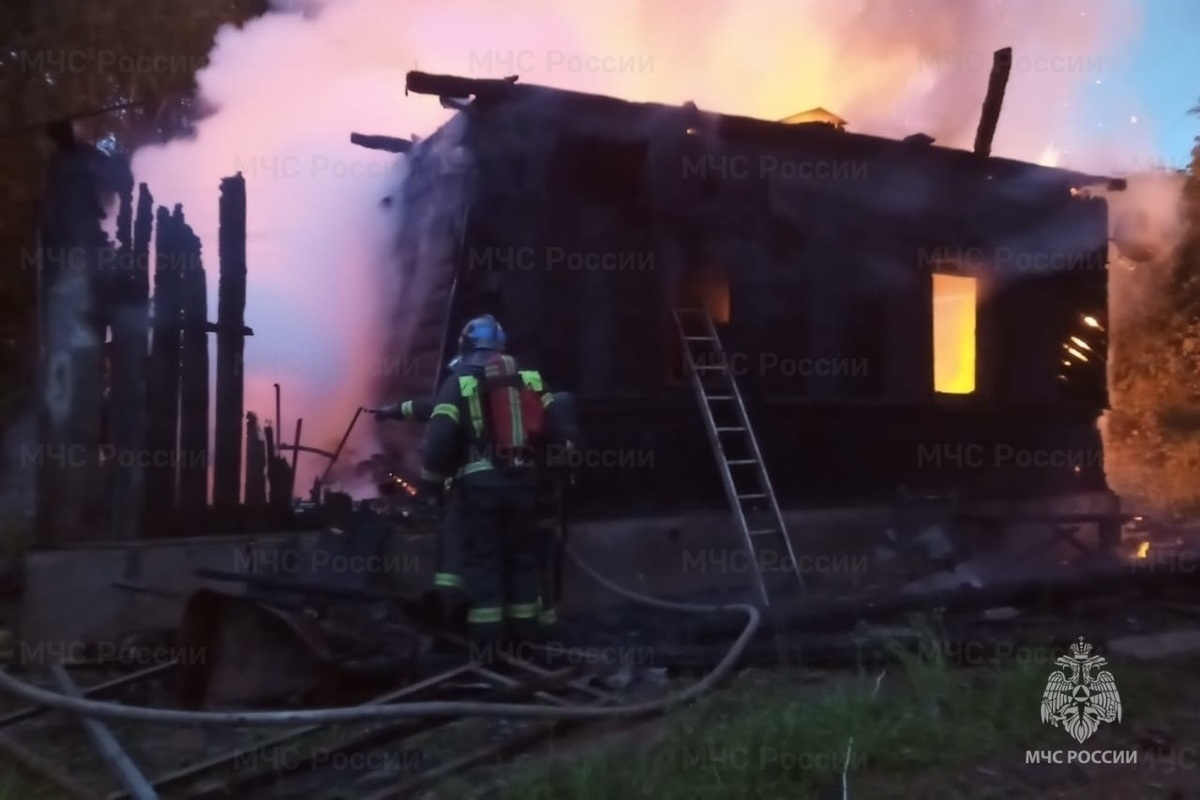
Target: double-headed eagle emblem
{"points": [[1078, 699]]}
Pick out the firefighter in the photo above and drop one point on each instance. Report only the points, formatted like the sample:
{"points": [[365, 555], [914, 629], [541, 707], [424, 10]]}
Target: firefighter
{"points": [[551, 495], [493, 550]]}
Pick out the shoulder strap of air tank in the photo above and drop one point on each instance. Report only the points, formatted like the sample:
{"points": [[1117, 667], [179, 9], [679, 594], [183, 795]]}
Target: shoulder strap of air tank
{"points": [[532, 379], [468, 387]]}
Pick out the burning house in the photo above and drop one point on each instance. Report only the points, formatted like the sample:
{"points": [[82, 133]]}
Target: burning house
{"points": [[897, 318], [896, 314]]}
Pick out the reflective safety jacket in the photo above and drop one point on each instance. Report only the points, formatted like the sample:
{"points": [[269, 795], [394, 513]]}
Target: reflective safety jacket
{"points": [[453, 446]]}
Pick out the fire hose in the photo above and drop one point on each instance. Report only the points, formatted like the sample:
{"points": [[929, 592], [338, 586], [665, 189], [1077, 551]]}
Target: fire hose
{"points": [[329, 716]]}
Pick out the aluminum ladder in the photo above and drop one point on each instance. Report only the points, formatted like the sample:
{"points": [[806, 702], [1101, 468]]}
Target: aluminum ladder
{"points": [[743, 471]]}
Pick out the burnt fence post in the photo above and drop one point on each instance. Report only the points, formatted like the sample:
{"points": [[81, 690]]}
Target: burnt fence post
{"points": [[162, 418], [193, 384], [256, 478], [129, 320], [231, 330]]}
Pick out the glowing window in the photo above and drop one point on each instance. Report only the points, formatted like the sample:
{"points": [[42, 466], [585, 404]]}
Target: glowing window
{"points": [[715, 289], [955, 299], [702, 288], [708, 289]]}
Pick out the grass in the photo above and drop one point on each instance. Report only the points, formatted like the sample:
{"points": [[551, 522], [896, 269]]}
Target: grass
{"points": [[17, 783], [770, 735]]}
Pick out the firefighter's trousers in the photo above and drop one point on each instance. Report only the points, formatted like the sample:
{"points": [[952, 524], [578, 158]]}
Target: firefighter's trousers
{"points": [[548, 549], [490, 550]]}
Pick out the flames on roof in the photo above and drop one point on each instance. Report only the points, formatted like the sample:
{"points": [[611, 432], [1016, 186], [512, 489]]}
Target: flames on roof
{"points": [[816, 115]]}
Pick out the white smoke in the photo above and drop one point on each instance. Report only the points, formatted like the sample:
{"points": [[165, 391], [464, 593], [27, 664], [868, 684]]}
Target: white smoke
{"points": [[289, 88]]}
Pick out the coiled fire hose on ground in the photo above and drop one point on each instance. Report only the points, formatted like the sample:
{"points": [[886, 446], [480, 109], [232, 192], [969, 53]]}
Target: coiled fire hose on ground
{"points": [[327, 716]]}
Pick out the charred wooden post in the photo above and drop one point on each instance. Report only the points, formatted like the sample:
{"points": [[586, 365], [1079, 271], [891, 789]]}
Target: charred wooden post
{"points": [[279, 484], [269, 437], [69, 371], [125, 212], [256, 466], [997, 84], [296, 448], [274, 451], [129, 320], [231, 310], [282, 492], [193, 386], [388, 144], [341, 445], [162, 419]]}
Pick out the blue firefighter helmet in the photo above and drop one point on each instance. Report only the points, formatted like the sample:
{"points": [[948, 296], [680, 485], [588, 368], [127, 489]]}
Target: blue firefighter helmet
{"points": [[481, 333]]}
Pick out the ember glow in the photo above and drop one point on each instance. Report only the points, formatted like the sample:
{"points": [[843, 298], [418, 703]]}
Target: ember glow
{"points": [[289, 88]]}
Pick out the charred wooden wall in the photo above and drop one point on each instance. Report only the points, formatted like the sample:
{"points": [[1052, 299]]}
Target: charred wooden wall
{"points": [[432, 210], [585, 225], [72, 248]]}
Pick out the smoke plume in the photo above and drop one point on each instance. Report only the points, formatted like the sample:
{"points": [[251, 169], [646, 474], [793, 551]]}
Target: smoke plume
{"points": [[289, 88]]}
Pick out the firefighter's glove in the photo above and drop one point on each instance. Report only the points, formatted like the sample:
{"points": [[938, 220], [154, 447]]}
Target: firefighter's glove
{"points": [[385, 413]]}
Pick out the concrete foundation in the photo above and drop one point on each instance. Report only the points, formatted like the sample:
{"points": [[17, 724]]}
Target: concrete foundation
{"points": [[70, 598]]}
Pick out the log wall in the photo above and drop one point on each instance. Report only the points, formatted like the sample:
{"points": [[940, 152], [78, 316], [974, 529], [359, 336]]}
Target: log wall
{"points": [[828, 246]]}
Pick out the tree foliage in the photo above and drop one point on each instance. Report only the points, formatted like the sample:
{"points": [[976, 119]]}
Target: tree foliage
{"points": [[1153, 431], [71, 59]]}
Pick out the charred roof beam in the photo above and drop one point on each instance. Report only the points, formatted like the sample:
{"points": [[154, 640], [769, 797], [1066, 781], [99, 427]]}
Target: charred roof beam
{"points": [[454, 87], [389, 144], [990, 116]]}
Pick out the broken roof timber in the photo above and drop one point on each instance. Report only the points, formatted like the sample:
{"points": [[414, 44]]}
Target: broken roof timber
{"points": [[389, 144], [738, 128], [989, 117], [452, 86]]}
